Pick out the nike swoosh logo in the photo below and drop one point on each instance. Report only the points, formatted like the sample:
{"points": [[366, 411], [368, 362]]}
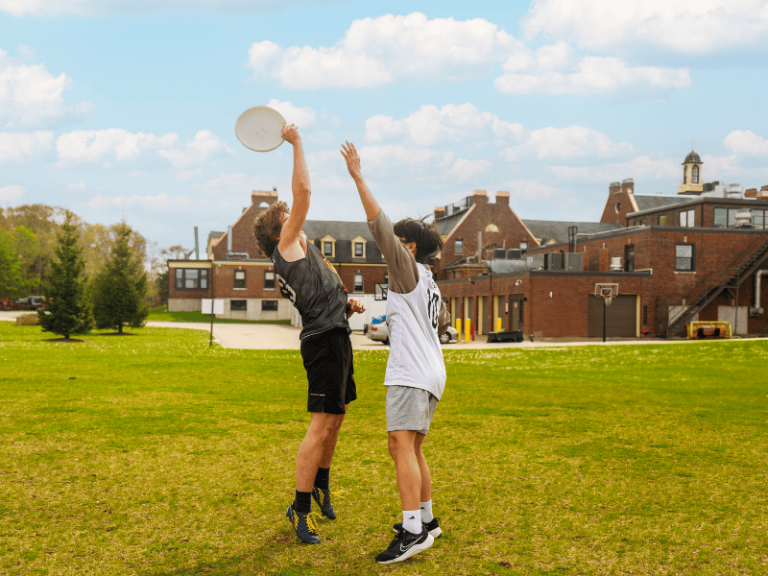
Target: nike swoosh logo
{"points": [[406, 548]]}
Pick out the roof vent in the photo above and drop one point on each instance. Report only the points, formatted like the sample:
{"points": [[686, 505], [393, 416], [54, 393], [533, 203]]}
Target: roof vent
{"points": [[615, 184]]}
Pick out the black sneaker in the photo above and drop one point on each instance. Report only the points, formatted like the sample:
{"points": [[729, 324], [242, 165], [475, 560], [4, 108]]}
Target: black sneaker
{"points": [[432, 527], [303, 525], [323, 499], [405, 545]]}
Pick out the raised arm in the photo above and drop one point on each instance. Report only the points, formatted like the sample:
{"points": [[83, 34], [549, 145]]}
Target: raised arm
{"points": [[370, 205], [301, 191]]}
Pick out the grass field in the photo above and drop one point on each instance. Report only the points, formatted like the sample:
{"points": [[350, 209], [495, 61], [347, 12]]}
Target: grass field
{"points": [[161, 314], [153, 455]]}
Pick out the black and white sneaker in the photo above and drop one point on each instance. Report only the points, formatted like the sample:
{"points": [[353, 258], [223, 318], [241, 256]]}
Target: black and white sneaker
{"points": [[323, 499], [303, 525], [405, 545], [432, 527]]}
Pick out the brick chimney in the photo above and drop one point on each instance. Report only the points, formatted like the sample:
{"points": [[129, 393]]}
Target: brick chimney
{"points": [[628, 185], [480, 197], [259, 197], [439, 212], [751, 193], [502, 198], [614, 188]]}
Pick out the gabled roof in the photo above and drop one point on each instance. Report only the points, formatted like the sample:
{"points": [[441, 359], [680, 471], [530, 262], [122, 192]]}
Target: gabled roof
{"points": [[548, 230], [653, 202], [445, 225]]}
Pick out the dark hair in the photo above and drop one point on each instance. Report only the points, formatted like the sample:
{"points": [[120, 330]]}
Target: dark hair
{"points": [[426, 236], [268, 225]]}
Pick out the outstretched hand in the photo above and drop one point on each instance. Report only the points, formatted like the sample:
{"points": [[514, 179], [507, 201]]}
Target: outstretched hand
{"points": [[290, 133], [350, 154]]}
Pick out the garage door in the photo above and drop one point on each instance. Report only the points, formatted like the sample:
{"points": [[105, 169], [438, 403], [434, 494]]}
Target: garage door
{"points": [[620, 317]]}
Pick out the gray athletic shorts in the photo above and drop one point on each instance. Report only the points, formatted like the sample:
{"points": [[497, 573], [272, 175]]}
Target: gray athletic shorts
{"points": [[409, 409]]}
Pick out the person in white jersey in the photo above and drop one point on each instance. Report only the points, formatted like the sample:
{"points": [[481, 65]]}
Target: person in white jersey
{"points": [[415, 376]]}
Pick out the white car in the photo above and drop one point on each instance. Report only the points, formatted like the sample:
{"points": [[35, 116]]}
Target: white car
{"points": [[380, 333]]}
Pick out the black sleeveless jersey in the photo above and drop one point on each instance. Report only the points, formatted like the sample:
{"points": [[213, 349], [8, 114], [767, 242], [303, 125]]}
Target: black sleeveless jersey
{"points": [[314, 287]]}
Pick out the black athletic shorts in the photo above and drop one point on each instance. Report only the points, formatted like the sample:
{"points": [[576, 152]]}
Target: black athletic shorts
{"points": [[328, 361]]}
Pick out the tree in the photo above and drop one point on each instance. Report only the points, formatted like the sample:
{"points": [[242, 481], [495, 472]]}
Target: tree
{"points": [[119, 290], [67, 309], [10, 279]]}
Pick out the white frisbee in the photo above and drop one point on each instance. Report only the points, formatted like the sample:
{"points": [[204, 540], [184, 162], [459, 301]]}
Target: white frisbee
{"points": [[258, 128]]}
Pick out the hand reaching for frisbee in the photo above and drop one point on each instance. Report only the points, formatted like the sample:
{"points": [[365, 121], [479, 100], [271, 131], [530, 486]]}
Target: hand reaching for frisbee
{"points": [[290, 133], [350, 154], [354, 306]]}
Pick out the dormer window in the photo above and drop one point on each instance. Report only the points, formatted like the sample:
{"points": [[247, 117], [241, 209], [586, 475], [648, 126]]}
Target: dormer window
{"points": [[328, 246], [358, 247]]}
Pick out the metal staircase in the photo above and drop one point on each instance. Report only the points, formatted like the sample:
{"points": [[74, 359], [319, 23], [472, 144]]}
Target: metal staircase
{"points": [[730, 277]]}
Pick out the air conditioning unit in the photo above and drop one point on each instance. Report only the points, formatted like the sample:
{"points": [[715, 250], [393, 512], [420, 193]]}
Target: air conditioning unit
{"points": [[535, 262], [574, 262], [514, 254], [555, 262], [499, 254]]}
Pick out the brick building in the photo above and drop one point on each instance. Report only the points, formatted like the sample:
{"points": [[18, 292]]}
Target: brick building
{"points": [[238, 272], [696, 255]]}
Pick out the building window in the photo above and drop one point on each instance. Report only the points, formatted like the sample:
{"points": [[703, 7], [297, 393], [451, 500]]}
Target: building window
{"points": [[358, 249], [687, 218], [663, 220], [328, 249], [629, 258], [386, 278], [645, 315], [459, 247], [759, 219], [269, 280], [695, 175], [358, 283], [269, 305], [642, 222], [240, 279], [684, 257], [726, 218], [191, 279], [238, 305], [618, 207]]}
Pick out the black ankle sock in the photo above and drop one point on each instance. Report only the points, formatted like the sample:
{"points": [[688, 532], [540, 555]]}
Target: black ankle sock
{"points": [[323, 478], [303, 502]]}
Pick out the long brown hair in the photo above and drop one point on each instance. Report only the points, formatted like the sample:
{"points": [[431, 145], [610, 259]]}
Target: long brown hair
{"points": [[268, 225]]}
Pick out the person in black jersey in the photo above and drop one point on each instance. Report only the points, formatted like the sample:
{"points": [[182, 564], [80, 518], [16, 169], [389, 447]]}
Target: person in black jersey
{"points": [[312, 284]]}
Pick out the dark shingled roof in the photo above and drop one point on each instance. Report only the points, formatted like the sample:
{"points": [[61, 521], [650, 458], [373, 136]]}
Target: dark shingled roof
{"points": [[344, 233], [653, 202], [548, 230], [692, 157], [445, 225]]}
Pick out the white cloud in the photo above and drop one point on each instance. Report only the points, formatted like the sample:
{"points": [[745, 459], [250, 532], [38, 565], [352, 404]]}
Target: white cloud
{"points": [[159, 203], [590, 76], [76, 186], [391, 156], [746, 142], [92, 145], [183, 175], [464, 169], [531, 189], [686, 26], [8, 193], [204, 146], [16, 146], [302, 117], [379, 51], [30, 95], [224, 181], [137, 7], [452, 123], [570, 142], [641, 167]]}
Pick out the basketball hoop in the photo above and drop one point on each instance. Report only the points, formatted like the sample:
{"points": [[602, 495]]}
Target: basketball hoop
{"points": [[607, 291]]}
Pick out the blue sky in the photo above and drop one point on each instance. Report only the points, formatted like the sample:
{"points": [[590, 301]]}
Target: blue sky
{"points": [[127, 109]]}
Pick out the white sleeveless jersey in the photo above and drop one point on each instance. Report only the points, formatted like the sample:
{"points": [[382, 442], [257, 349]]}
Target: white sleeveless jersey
{"points": [[415, 355]]}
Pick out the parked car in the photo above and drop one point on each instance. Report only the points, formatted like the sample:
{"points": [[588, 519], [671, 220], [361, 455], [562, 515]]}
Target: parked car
{"points": [[29, 303], [380, 333]]}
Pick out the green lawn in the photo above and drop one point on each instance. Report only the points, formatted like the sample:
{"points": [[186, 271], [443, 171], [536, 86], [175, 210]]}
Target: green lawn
{"points": [[155, 455], [161, 314]]}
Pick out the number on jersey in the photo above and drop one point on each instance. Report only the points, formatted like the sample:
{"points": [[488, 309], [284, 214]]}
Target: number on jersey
{"points": [[433, 307]]}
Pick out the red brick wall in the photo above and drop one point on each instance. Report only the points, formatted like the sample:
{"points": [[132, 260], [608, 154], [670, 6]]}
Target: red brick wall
{"points": [[621, 195], [243, 239], [479, 217]]}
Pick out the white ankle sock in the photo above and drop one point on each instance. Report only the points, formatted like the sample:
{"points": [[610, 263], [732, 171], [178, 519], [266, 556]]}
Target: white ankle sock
{"points": [[412, 521], [426, 512]]}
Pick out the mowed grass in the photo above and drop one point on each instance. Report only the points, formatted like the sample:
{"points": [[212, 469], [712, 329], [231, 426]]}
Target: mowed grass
{"points": [[155, 455]]}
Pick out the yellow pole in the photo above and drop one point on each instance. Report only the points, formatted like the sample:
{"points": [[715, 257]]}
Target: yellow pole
{"points": [[458, 328], [467, 332], [498, 324]]}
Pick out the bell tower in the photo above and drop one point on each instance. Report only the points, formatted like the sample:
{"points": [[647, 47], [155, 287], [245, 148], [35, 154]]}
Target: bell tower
{"points": [[691, 183]]}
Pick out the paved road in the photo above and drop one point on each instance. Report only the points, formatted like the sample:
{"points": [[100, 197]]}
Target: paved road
{"points": [[284, 337]]}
